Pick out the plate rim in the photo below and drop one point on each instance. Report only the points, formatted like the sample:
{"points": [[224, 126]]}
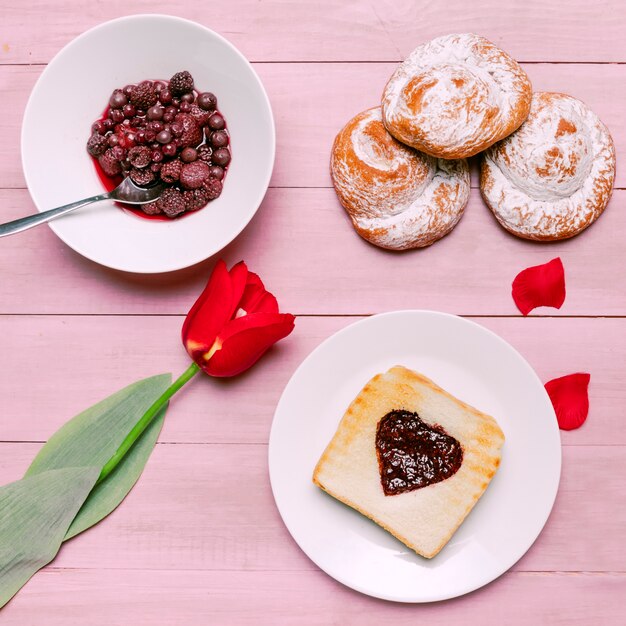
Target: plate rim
{"points": [[203, 256], [419, 312]]}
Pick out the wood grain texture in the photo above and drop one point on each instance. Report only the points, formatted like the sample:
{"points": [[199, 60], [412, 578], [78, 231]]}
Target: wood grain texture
{"points": [[210, 507], [183, 549], [354, 30], [103, 354], [58, 597], [350, 276], [310, 112]]}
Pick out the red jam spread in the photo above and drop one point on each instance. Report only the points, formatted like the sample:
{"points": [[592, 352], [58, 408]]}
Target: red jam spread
{"points": [[413, 454]]}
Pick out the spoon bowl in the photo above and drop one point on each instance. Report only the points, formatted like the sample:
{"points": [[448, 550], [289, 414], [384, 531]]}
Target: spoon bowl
{"points": [[127, 191]]}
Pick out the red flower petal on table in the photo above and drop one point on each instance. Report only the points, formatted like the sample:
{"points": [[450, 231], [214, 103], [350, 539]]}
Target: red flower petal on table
{"points": [[541, 285], [570, 399], [256, 299], [244, 341], [210, 313]]}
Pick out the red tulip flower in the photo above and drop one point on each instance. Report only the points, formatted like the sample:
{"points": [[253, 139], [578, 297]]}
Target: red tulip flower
{"points": [[234, 322], [229, 328]]}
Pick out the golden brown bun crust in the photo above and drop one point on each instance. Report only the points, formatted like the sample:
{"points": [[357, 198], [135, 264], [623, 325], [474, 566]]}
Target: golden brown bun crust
{"points": [[456, 95], [396, 197], [554, 176]]}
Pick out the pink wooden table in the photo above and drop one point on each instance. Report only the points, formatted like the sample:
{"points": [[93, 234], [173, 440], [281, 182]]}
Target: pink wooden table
{"points": [[181, 549]]}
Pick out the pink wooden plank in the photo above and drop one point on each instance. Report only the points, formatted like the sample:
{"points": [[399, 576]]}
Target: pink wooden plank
{"points": [[70, 597], [353, 30], [94, 356], [306, 121], [180, 516], [42, 275]]}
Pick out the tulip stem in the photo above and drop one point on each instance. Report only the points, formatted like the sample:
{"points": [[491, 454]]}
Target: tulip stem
{"points": [[147, 417]]}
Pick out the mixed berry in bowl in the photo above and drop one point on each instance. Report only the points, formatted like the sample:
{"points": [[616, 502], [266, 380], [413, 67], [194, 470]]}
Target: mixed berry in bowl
{"points": [[167, 131]]}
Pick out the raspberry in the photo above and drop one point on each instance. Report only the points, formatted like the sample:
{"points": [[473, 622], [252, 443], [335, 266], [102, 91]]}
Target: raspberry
{"points": [[109, 164], [140, 156], [194, 199], [212, 188], [152, 208], [192, 133], [141, 177], [181, 83], [193, 175], [200, 115], [97, 145], [172, 202], [170, 172], [143, 96], [205, 153]]}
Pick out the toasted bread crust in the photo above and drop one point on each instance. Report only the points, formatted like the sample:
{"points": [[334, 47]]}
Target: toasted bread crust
{"points": [[353, 441]]}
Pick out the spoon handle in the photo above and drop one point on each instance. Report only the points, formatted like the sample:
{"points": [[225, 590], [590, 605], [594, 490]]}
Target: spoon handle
{"points": [[23, 223]]}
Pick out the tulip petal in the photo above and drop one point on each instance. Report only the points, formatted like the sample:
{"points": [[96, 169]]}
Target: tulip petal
{"points": [[210, 313], [570, 399], [239, 279], [541, 285], [256, 299], [245, 339]]}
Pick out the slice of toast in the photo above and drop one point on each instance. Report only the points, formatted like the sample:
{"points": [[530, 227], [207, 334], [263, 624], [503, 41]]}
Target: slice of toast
{"points": [[424, 518]]}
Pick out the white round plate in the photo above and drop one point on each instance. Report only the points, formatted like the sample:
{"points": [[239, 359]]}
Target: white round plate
{"points": [[73, 92], [473, 364]]}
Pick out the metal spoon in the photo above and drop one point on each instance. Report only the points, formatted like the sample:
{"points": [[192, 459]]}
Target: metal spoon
{"points": [[126, 192]]}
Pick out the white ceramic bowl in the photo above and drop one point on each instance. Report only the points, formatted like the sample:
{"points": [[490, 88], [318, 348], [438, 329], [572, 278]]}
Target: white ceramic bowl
{"points": [[72, 93]]}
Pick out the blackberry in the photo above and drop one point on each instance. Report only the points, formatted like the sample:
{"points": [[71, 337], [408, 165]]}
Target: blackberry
{"points": [[172, 202], [194, 174], [170, 171], [140, 156], [109, 164], [143, 96], [205, 153], [181, 83], [141, 177], [97, 145]]}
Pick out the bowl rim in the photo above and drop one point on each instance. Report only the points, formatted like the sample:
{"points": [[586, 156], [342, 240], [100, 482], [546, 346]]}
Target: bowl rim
{"points": [[271, 148]]}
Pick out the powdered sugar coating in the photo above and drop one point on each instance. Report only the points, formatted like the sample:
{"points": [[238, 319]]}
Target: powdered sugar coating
{"points": [[554, 176], [397, 198], [456, 95]]}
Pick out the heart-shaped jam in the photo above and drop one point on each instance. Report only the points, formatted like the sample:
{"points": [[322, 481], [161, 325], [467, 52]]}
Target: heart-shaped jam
{"points": [[413, 454]]}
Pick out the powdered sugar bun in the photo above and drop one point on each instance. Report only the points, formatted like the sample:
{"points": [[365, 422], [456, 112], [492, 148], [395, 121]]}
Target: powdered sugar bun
{"points": [[397, 198], [456, 95], [554, 176]]}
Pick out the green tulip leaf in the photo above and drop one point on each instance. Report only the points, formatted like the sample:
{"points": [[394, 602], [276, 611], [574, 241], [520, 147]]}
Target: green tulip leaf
{"points": [[58, 496], [35, 513], [92, 437]]}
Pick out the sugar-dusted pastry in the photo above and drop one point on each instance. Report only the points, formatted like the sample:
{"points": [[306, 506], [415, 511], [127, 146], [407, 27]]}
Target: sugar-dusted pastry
{"points": [[412, 458], [456, 95], [554, 176], [397, 198]]}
